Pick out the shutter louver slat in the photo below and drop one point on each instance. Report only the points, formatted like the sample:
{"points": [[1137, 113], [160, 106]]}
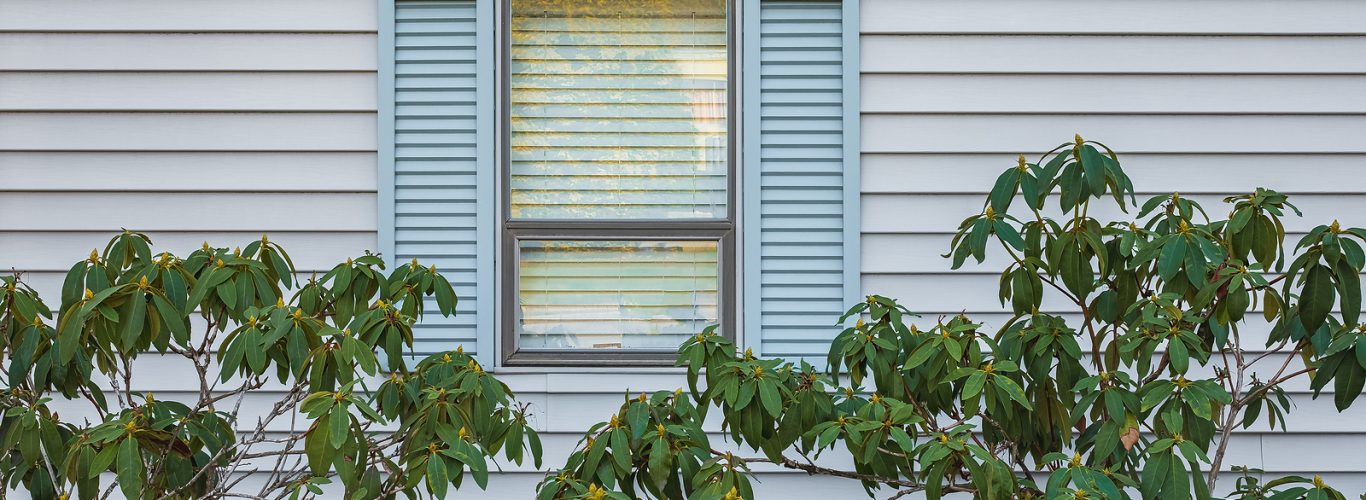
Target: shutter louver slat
{"points": [[435, 159], [802, 205]]}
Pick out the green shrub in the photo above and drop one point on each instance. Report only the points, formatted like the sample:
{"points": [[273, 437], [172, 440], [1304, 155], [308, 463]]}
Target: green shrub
{"points": [[1135, 393], [323, 348]]}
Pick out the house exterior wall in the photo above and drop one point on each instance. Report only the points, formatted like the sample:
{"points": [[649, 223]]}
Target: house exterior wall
{"points": [[1205, 98], [216, 121]]}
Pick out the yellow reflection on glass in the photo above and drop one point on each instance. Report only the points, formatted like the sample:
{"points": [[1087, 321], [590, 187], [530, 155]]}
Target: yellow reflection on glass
{"points": [[618, 109], [614, 294]]}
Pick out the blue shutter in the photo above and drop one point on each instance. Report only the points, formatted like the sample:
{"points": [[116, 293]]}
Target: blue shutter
{"points": [[435, 157], [801, 173]]}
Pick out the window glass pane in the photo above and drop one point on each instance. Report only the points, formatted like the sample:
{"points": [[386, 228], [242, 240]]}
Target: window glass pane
{"points": [[614, 294], [618, 109]]}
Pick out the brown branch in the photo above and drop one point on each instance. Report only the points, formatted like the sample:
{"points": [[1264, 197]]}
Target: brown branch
{"points": [[813, 469]]}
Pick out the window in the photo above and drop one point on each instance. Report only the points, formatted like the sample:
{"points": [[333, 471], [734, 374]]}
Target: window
{"points": [[618, 225]]}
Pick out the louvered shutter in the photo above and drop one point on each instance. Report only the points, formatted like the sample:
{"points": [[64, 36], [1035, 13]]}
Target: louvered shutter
{"points": [[801, 129], [438, 147]]}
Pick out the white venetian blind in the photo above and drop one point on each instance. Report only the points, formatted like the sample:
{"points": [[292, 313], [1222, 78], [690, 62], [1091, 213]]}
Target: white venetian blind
{"points": [[618, 109], [614, 294]]}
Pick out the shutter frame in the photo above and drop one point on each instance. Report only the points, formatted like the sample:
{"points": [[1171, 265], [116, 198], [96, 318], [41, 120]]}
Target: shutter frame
{"points": [[787, 257], [459, 230]]}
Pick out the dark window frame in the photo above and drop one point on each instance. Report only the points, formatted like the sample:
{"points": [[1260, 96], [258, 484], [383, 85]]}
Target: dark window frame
{"points": [[511, 230]]}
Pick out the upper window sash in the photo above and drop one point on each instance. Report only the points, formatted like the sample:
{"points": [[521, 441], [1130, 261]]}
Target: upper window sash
{"points": [[619, 111]]}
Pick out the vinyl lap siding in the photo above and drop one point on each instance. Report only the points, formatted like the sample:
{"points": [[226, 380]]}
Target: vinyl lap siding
{"points": [[197, 122], [1195, 96], [194, 121]]}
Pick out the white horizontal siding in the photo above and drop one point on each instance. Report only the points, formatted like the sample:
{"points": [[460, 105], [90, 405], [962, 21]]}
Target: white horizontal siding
{"points": [[198, 121], [188, 15], [1207, 98], [1163, 17], [1113, 94], [188, 91], [187, 131], [145, 51], [158, 171], [186, 211], [1107, 54], [1035, 133]]}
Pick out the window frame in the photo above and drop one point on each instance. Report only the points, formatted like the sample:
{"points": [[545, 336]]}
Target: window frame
{"points": [[511, 230]]}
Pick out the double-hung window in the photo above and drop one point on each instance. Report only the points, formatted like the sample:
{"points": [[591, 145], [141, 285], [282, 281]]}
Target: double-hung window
{"points": [[603, 178], [618, 181]]}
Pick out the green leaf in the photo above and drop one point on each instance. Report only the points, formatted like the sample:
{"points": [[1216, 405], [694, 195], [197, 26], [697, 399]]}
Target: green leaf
{"points": [[637, 416], [621, 450], [1316, 300], [1008, 234], [133, 318], [659, 460], [1173, 253], [1347, 384], [72, 288], [1156, 393], [437, 480], [772, 401], [341, 426], [1179, 355], [130, 468], [1094, 165], [973, 386], [1349, 288], [170, 316], [1013, 390], [445, 296], [1004, 190]]}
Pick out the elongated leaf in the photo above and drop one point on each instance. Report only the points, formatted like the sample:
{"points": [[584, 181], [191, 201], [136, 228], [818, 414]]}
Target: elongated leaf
{"points": [[772, 401], [437, 480], [340, 427], [1317, 297], [130, 468], [1013, 390], [1173, 254], [1347, 384], [1004, 190]]}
